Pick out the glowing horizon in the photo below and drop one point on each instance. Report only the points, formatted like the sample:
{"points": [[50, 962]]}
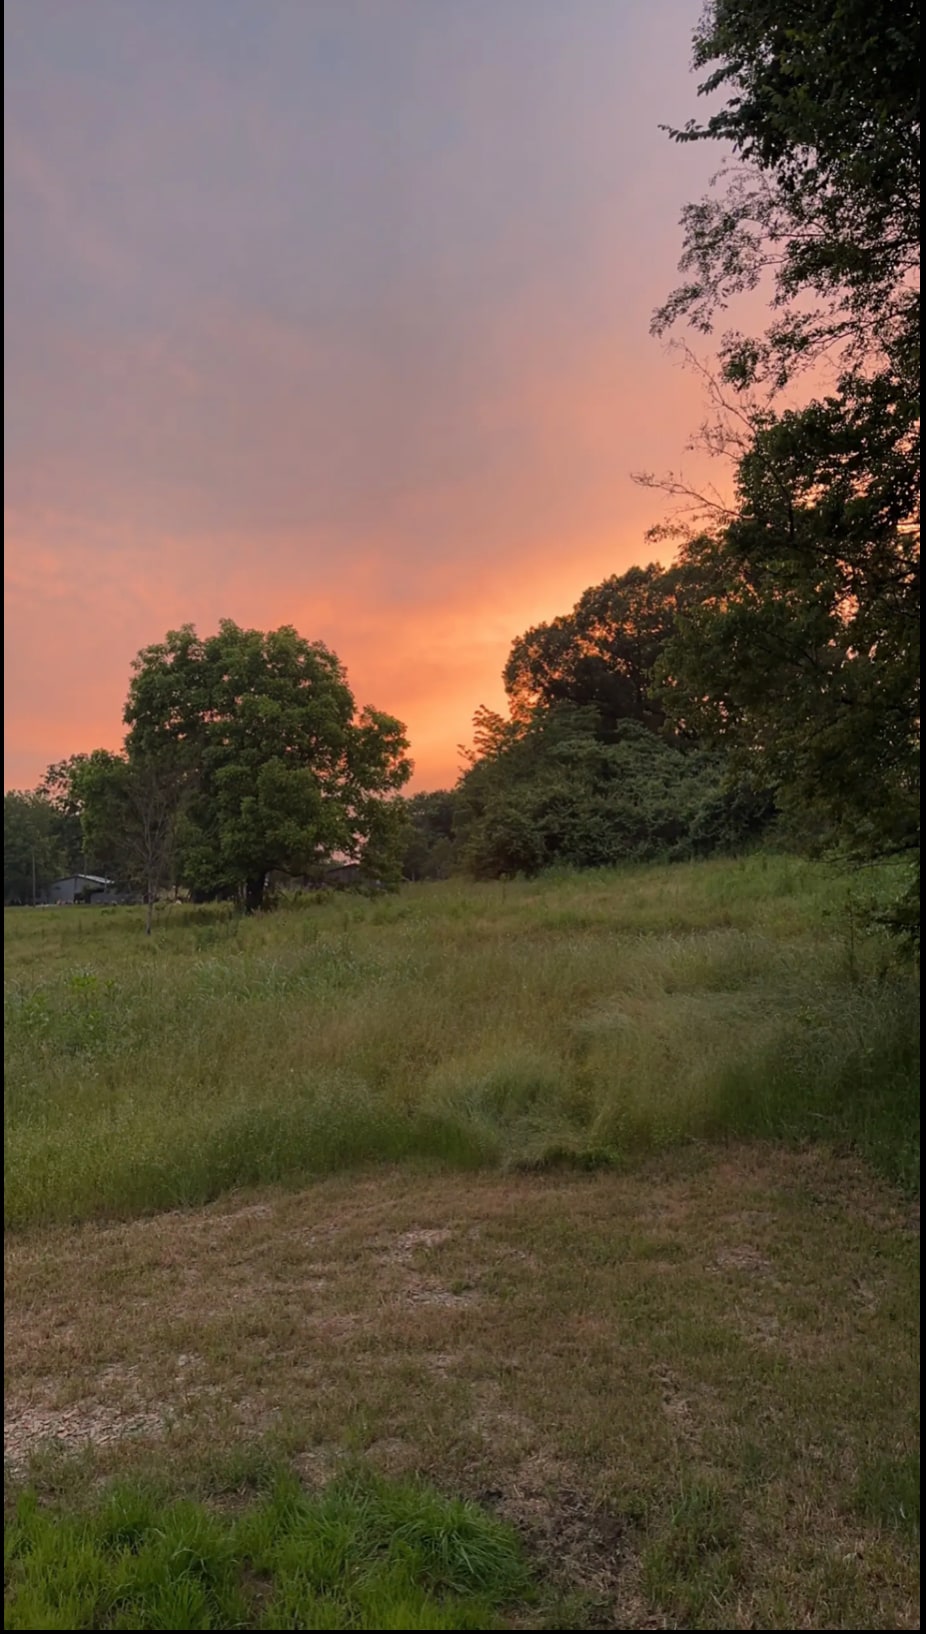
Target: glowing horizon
{"points": [[336, 317]]}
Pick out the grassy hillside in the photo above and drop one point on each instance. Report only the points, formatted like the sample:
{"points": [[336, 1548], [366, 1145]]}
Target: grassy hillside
{"points": [[586, 1019]]}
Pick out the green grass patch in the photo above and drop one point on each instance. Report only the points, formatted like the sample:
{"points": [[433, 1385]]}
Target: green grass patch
{"points": [[364, 1554], [888, 1491], [693, 1566], [576, 1019]]}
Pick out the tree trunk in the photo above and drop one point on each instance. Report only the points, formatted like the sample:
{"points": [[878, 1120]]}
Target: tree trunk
{"points": [[254, 894], [149, 910]]}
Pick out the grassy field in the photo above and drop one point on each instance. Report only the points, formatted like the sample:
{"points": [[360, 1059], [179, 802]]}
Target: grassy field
{"points": [[529, 1256], [591, 1019]]}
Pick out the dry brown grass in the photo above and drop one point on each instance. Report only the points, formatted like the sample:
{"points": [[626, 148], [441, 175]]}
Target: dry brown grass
{"points": [[673, 1381]]}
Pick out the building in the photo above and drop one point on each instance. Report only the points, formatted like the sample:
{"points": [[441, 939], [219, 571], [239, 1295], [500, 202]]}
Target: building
{"points": [[82, 888]]}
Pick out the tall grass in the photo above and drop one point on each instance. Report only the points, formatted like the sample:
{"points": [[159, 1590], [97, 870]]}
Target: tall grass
{"points": [[588, 1018], [365, 1554]]}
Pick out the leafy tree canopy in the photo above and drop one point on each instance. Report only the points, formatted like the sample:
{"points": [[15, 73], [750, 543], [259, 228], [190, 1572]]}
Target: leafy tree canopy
{"points": [[33, 852], [805, 653], [280, 768], [808, 653], [552, 791], [429, 834], [822, 111], [59, 788], [131, 810], [604, 653]]}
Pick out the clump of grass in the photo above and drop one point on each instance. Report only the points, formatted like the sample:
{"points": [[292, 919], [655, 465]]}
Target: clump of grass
{"points": [[458, 1026], [695, 1563], [888, 1491], [364, 1554]]}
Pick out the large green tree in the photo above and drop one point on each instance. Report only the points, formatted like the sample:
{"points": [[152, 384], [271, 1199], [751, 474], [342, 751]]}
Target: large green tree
{"points": [[281, 769], [806, 652], [33, 853], [806, 663], [131, 812]]}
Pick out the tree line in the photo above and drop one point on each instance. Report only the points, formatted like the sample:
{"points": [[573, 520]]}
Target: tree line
{"points": [[588, 769], [769, 675]]}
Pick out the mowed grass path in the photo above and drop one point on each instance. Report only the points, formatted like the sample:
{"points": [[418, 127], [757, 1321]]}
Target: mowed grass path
{"points": [[585, 1019], [692, 1390]]}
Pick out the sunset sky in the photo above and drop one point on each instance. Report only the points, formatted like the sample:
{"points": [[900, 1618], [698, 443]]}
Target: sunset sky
{"points": [[331, 313]]}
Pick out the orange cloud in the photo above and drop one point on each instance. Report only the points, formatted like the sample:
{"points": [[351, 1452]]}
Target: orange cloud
{"points": [[340, 322]]}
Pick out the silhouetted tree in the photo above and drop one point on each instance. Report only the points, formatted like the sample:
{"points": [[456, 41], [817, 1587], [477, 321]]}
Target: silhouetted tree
{"points": [[806, 653]]}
